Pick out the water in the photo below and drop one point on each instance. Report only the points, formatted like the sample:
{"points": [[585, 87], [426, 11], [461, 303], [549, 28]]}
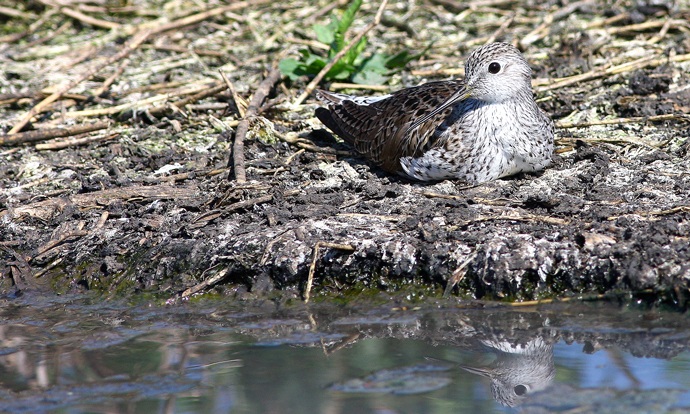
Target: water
{"points": [[84, 355]]}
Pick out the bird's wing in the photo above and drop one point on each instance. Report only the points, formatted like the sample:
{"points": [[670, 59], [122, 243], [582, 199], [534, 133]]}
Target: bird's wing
{"points": [[380, 128]]}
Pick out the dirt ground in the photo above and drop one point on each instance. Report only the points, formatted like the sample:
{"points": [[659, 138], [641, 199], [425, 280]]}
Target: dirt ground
{"points": [[149, 201]]}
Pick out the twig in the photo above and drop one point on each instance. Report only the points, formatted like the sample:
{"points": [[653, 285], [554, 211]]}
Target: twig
{"points": [[444, 196], [314, 257], [639, 27], [613, 70], [632, 120], [528, 303], [104, 24], [340, 85], [384, 217], [43, 250], [73, 141], [543, 29], [275, 239], [111, 79], [662, 33], [138, 104], [181, 49], [46, 208], [322, 150], [607, 22], [475, 200], [314, 44], [627, 139], [314, 82], [149, 88], [248, 203], [458, 274], [289, 159], [53, 34], [351, 339], [44, 134], [501, 29], [16, 14], [210, 282], [647, 214], [458, 6], [52, 265], [243, 127], [157, 27], [32, 28], [438, 72], [523, 218], [101, 221], [213, 90], [240, 103]]}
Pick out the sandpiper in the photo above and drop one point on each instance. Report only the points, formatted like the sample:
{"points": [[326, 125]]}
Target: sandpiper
{"points": [[484, 127]]}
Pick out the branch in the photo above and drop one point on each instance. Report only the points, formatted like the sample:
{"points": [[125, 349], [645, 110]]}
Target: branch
{"points": [[243, 127]]}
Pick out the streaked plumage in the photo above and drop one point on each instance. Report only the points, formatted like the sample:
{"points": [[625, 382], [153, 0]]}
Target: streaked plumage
{"points": [[479, 129], [517, 370]]}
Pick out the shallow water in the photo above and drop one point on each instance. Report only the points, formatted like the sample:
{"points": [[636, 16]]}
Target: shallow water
{"points": [[76, 354]]}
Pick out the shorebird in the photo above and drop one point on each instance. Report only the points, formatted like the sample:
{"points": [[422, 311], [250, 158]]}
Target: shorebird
{"points": [[517, 370], [479, 129]]}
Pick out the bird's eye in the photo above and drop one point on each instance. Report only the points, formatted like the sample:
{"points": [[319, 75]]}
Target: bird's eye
{"points": [[494, 67], [520, 390]]}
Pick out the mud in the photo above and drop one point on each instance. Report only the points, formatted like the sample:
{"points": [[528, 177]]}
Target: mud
{"points": [[156, 209]]}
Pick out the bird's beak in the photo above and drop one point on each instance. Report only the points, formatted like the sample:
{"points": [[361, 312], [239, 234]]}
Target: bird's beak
{"points": [[484, 372], [459, 95]]}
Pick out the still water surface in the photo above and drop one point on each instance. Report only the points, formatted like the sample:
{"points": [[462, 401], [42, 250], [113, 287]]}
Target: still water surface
{"points": [[81, 355]]}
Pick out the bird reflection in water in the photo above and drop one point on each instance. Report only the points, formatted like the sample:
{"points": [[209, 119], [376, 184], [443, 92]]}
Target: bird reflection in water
{"points": [[518, 369]]}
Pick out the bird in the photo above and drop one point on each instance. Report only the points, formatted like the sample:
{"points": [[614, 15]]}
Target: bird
{"points": [[518, 370], [482, 128]]}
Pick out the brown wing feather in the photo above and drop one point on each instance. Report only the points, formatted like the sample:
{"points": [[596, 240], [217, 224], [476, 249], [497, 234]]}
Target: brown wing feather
{"points": [[379, 130]]}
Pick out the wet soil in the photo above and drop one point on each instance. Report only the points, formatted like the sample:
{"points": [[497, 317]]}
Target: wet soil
{"points": [[156, 208]]}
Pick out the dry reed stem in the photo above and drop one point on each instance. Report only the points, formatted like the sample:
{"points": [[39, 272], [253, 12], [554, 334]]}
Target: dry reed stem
{"points": [[647, 61], [314, 257], [44, 134], [75, 14], [631, 120], [74, 141], [243, 127]]}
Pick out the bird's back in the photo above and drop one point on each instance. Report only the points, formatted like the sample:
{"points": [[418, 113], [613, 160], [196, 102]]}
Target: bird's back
{"points": [[378, 127]]}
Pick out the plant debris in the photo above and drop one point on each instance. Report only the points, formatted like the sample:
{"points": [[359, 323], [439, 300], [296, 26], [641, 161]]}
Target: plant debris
{"points": [[117, 171]]}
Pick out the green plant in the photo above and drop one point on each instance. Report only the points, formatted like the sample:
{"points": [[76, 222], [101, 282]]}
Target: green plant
{"points": [[353, 66]]}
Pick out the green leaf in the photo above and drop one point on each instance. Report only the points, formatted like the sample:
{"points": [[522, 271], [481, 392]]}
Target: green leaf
{"points": [[375, 63], [288, 67], [356, 51], [324, 34], [353, 65], [372, 71], [365, 77], [341, 71], [314, 65], [344, 24], [349, 17], [399, 60]]}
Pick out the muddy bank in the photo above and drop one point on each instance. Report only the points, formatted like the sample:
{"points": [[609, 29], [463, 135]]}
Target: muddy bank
{"points": [[149, 204]]}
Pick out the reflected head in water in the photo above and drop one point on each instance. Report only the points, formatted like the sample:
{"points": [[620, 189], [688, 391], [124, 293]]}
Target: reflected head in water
{"points": [[518, 370]]}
